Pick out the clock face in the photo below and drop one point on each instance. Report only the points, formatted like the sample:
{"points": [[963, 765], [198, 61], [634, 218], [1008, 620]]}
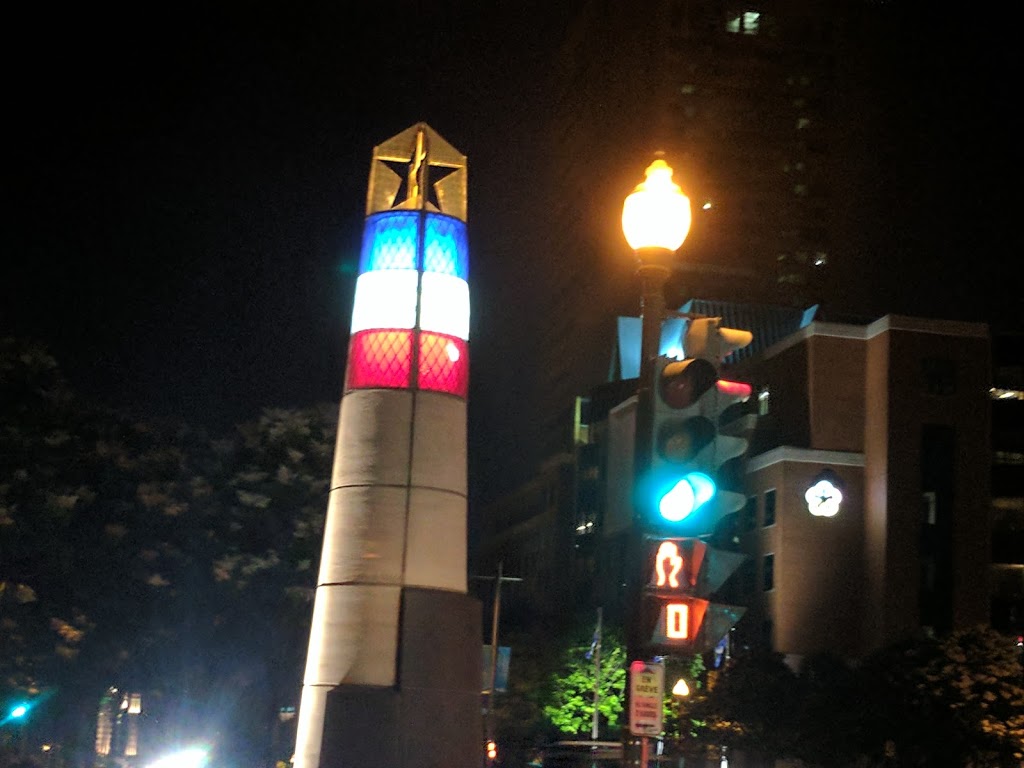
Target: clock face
{"points": [[823, 499]]}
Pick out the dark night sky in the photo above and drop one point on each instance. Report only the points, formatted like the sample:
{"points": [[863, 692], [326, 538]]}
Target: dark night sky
{"points": [[185, 186]]}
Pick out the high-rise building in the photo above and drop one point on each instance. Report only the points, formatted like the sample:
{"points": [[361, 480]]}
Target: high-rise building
{"points": [[118, 724], [772, 116], [1008, 483]]}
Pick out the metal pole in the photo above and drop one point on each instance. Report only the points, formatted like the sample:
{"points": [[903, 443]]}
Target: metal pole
{"points": [[597, 676], [653, 270], [495, 616]]}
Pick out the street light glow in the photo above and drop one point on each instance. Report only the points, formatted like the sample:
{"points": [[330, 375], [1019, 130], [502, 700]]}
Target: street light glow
{"points": [[193, 757], [657, 213]]}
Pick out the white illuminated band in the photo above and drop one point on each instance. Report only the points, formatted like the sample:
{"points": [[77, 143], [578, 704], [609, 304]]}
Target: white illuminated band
{"points": [[385, 298], [444, 305], [677, 621], [668, 554]]}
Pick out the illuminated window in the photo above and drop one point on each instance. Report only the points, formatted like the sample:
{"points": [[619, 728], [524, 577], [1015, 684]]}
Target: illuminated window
{"points": [[745, 23], [999, 393], [769, 507], [768, 572]]}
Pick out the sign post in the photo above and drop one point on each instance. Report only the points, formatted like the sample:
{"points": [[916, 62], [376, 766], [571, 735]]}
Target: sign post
{"points": [[646, 697]]}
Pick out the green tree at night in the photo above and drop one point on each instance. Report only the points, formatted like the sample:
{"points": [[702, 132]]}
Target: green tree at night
{"points": [[570, 701]]}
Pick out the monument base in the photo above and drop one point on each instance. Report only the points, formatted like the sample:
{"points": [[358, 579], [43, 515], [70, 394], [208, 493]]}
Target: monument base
{"points": [[432, 717]]}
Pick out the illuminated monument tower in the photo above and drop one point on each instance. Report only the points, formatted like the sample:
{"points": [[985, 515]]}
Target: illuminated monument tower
{"points": [[393, 668]]}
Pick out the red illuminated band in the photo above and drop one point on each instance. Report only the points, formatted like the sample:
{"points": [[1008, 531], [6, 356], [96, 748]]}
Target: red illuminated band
{"points": [[443, 364], [734, 388], [382, 359]]}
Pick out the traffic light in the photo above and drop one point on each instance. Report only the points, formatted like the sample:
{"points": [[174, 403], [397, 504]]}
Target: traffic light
{"points": [[16, 712], [492, 750], [682, 574], [683, 489], [700, 430]]}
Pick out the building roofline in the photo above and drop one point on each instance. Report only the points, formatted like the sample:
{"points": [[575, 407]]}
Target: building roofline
{"points": [[878, 327], [927, 325], [789, 453]]}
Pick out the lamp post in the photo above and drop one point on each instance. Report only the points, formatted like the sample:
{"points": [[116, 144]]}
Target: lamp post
{"points": [[655, 220]]}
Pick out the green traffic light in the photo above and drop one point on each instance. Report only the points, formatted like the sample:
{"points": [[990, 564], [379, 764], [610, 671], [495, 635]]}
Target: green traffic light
{"points": [[687, 495]]}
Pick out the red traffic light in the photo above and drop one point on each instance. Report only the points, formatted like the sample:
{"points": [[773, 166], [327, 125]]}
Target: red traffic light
{"points": [[682, 383], [734, 388]]}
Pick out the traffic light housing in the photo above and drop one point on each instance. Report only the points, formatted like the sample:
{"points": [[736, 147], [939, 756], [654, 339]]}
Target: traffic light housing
{"points": [[689, 446], [682, 574]]}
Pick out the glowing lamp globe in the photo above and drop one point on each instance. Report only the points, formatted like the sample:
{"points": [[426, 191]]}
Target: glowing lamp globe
{"points": [[657, 213]]}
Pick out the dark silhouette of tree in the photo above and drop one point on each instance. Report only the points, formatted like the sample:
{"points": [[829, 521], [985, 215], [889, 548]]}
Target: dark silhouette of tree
{"points": [[155, 557]]}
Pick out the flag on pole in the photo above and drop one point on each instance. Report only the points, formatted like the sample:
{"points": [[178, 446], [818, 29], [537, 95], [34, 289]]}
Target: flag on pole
{"points": [[595, 643]]}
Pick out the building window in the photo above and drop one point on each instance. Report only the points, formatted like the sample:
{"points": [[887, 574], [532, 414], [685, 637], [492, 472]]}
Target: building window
{"points": [[750, 514], [744, 23], [769, 507], [938, 376], [748, 578], [768, 572]]}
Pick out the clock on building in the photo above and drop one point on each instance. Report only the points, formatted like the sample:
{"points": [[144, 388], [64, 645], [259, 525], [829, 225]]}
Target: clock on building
{"points": [[823, 498]]}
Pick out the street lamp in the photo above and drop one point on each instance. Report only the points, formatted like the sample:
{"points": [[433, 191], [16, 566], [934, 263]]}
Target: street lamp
{"points": [[655, 220], [656, 215]]}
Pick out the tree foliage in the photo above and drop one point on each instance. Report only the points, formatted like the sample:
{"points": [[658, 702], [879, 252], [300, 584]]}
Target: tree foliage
{"points": [[752, 707], [154, 556], [954, 700], [570, 699]]}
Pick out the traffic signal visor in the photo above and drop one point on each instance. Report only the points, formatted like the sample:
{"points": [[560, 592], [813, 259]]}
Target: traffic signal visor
{"points": [[706, 339]]}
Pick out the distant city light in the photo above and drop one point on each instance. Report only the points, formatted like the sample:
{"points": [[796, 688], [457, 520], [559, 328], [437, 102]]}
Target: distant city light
{"points": [[998, 393]]}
